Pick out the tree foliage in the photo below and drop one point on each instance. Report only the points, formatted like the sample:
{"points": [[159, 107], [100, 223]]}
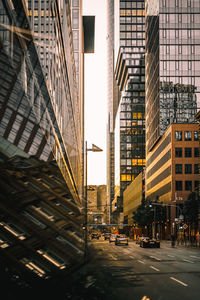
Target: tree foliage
{"points": [[191, 207], [147, 213]]}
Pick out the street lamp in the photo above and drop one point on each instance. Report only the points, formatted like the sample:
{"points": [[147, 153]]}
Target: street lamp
{"points": [[93, 149]]}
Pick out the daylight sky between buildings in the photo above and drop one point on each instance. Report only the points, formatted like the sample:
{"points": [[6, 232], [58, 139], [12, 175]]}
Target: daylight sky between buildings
{"points": [[95, 94]]}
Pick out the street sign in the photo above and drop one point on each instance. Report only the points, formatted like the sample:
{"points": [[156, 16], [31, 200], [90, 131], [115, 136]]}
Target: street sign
{"points": [[185, 226]]}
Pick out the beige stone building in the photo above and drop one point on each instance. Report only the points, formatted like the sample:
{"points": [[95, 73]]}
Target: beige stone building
{"points": [[132, 198]]}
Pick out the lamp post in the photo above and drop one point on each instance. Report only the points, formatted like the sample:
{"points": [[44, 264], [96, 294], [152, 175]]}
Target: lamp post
{"points": [[93, 149]]}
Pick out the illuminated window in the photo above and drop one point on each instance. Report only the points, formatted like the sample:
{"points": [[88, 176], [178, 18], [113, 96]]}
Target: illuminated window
{"points": [[53, 258], [13, 229], [34, 266]]}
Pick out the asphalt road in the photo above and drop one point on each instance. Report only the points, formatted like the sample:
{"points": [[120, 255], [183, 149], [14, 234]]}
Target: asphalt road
{"points": [[130, 272]]}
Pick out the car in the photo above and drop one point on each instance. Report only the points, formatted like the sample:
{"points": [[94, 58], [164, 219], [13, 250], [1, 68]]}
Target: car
{"points": [[112, 238], [121, 239], [94, 236], [138, 239], [146, 242], [106, 236]]}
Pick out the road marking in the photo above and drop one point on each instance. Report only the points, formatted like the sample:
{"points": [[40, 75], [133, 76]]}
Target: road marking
{"points": [[155, 257], [142, 262], [188, 261], [194, 256], [154, 268], [171, 255], [184, 284], [113, 257]]}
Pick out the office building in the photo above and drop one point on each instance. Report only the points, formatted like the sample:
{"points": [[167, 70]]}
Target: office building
{"points": [[172, 65], [133, 196], [130, 77], [172, 98], [173, 166], [40, 110], [112, 102]]}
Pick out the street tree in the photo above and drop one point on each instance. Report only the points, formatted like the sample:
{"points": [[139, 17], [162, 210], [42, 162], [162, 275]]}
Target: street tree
{"points": [[190, 209]]}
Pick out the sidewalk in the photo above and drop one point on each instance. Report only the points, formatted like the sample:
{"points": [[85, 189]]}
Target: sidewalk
{"points": [[179, 244]]}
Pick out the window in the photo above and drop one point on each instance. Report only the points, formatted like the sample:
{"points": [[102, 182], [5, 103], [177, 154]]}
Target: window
{"points": [[178, 135], [196, 185], [196, 152], [178, 185], [196, 169], [188, 169], [75, 3], [188, 152], [178, 152], [195, 136], [188, 185], [178, 168], [188, 135]]}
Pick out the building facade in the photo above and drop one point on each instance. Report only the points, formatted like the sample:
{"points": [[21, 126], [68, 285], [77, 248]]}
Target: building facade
{"points": [[112, 100], [173, 166], [40, 111], [130, 76], [172, 65], [132, 197]]}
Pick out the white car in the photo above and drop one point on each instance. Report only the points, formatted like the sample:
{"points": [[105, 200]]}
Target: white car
{"points": [[121, 239], [112, 238]]}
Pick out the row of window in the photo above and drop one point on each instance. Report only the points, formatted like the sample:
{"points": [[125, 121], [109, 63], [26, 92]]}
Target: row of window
{"points": [[187, 135], [187, 185], [187, 152], [188, 168]]}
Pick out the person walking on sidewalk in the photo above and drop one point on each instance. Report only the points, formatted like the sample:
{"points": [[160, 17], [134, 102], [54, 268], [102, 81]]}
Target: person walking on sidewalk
{"points": [[173, 240]]}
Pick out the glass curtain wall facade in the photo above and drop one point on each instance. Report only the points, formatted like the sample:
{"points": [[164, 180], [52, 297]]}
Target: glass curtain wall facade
{"points": [[172, 65], [39, 103], [112, 98], [132, 103]]}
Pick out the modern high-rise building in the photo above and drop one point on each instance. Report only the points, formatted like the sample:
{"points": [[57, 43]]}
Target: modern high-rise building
{"points": [[130, 76], [172, 65], [111, 103], [172, 84], [40, 104]]}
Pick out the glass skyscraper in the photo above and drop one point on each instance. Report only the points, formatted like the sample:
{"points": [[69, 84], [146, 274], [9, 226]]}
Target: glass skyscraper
{"points": [[172, 65], [130, 75], [40, 107]]}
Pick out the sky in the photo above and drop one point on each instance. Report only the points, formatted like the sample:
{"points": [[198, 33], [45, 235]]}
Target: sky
{"points": [[95, 94]]}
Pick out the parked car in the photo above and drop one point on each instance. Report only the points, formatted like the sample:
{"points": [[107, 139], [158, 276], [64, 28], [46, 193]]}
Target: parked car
{"points": [[146, 242], [94, 236], [112, 238], [138, 239], [106, 236], [121, 239]]}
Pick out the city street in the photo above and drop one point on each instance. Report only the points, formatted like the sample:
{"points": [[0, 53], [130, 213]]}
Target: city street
{"points": [[131, 272]]}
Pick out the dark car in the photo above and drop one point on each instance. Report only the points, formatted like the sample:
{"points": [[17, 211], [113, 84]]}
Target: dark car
{"points": [[94, 236], [146, 242], [106, 236]]}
